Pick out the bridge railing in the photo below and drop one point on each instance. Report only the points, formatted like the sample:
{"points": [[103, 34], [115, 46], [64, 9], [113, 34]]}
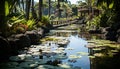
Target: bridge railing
{"points": [[56, 23]]}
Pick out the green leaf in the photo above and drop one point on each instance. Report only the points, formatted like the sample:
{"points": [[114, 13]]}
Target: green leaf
{"points": [[111, 5], [6, 8]]}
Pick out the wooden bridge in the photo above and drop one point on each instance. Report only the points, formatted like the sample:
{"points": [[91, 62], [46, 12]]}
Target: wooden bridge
{"points": [[59, 23]]}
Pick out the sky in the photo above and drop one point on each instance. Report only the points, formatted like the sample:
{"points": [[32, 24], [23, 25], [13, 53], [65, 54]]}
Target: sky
{"points": [[72, 1]]}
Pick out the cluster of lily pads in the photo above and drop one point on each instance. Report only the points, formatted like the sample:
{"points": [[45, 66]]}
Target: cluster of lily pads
{"points": [[44, 56], [102, 48], [61, 41]]}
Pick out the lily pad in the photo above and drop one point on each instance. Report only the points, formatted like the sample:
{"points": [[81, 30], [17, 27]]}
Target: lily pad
{"points": [[28, 64], [70, 48], [60, 57], [74, 57], [16, 58], [8, 65], [65, 66], [91, 56], [98, 55], [82, 53], [45, 67]]}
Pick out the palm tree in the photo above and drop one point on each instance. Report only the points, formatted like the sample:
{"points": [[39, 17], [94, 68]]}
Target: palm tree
{"points": [[2, 15], [59, 13], [33, 10], [23, 4], [49, 7], [40, 9], [28, 4], [58, 6], [6, 7]]}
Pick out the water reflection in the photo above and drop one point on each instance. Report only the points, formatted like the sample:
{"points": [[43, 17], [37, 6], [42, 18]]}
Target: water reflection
{"points": [[63, 33], [73, 55], [77, 44]]}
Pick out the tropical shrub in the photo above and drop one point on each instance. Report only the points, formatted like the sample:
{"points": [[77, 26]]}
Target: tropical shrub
{"points": [[94, 23], [31, 24], [45, 22], [19, 24], [18, 28]]}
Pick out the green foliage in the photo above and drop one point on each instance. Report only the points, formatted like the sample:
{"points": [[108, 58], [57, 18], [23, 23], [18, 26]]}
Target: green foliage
{"points": [[94, 23], [16, 19], [30, 24], [18, 28], [6, 8], [111, 5], [107, 18], [103, 20], [45, 22], [45, 19]]}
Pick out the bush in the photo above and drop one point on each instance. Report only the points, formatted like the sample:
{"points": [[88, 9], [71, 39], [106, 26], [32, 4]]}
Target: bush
{"points": [[94, 23], [18, 28], [30, 24]]}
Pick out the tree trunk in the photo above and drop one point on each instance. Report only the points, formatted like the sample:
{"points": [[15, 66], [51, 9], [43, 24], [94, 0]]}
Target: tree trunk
{"points": [[28, 4], [59, 12], [40, 9], [49, 7], [33, 11], [3, 24], [23, 6]]}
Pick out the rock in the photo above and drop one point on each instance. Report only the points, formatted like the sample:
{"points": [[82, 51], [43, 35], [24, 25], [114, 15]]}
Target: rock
{"points": [[118, 36], [95, 31], [46, 30], [118, 39], [5, 48], [19, 41], [103, 30], [110, 35], [40, 31], [34, 36]]}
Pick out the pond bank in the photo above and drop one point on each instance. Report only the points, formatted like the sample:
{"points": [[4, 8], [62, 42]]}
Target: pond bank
{"points": [[10, 45]]}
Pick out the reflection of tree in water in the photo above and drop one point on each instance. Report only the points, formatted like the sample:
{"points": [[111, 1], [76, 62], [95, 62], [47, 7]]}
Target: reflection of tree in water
{"points": [[66, 34], [90, 36], [105, 62], [54, 63]]}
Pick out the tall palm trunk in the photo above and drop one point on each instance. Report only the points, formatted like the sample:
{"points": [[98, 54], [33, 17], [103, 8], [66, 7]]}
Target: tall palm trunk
{"points": [[28, 4], [3, 13], [59, 12], [40, 9], [23, 5], [49, 7], [33, 11]]}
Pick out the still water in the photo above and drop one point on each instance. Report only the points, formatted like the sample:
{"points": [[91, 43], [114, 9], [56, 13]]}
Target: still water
{"points": [[79, 46], [73, 55], [77, 43]]}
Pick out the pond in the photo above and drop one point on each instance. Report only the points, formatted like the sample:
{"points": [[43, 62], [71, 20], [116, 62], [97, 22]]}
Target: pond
{"points": [[77, 45], [67, 48]]}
